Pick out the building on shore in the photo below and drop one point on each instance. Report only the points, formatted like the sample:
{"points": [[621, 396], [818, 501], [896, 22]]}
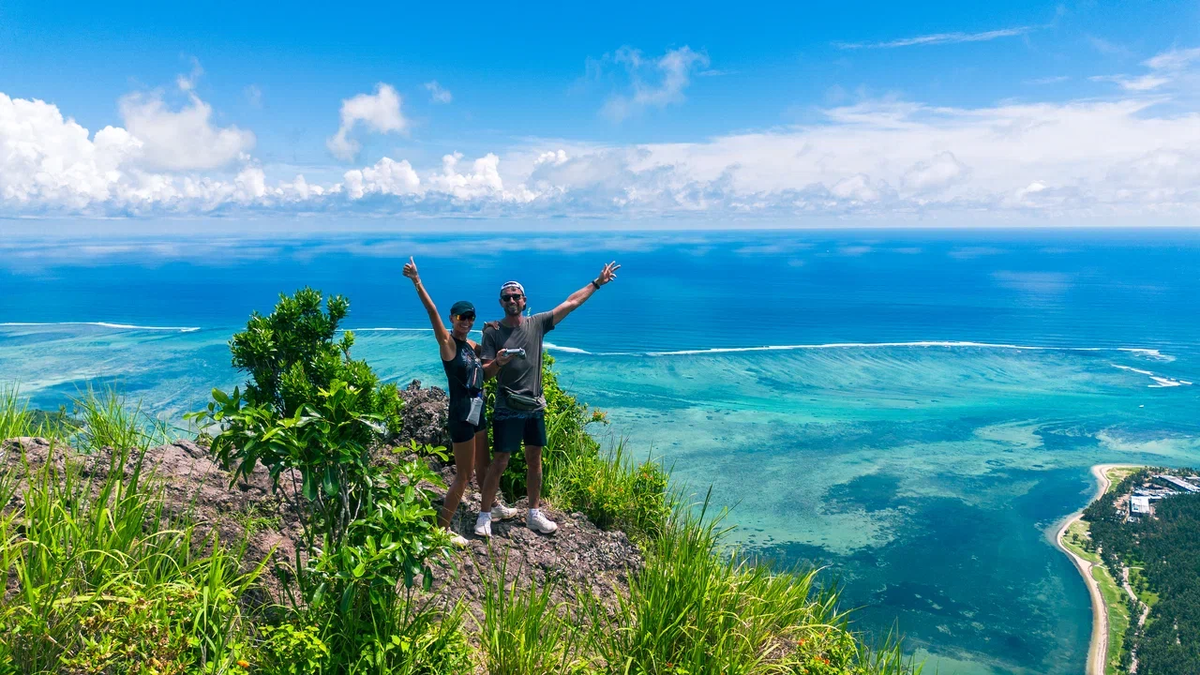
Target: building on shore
{"points": [[1139, 507], [1178, 482]]}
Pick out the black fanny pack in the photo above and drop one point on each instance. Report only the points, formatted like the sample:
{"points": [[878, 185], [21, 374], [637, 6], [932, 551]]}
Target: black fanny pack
{"points": [[522, 402]]}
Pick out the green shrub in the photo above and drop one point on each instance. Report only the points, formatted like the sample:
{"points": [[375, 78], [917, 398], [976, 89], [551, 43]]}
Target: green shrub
{"points": [[698, 610], [522, 631], [98, 593], [615, 493], [291, 649], [313, 416]]}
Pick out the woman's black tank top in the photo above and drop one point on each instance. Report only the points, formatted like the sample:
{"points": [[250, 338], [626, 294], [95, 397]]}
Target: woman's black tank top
{"points": [[464, 374]]}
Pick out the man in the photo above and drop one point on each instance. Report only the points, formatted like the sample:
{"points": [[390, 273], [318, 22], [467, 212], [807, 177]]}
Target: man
{"points": [[520, 411]]}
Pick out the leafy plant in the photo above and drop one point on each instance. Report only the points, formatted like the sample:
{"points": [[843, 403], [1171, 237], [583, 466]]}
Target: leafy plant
{"points": [[97, 593], [523, 632], [312, 416], [615, 493]]}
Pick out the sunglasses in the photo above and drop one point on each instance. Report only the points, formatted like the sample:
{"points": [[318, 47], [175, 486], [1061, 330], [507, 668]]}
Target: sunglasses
{"points": [[511, 297], [466, 317]]}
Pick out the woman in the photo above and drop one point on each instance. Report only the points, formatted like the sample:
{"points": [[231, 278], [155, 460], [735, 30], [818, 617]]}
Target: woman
{"points": [[464, 373]]}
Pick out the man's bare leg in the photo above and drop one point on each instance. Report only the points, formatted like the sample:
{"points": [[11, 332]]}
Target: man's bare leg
{"points": [[491, 483], [533, 474]]}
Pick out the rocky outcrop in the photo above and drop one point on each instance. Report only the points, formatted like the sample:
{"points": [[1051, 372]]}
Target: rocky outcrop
{"points": [[578, 556], [424, 416]]}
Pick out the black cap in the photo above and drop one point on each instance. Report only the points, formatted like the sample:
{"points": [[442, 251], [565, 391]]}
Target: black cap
{"points": [[462, 307]]}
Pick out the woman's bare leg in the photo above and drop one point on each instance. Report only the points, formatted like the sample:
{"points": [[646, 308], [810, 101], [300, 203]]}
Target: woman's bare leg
{"points": [[464, 461]]}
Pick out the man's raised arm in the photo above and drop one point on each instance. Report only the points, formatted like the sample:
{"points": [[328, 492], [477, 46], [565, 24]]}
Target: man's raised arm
{"points": [[580, 296]]}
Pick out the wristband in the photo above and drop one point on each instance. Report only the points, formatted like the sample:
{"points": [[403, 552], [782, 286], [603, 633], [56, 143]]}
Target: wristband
{"points": [[597, 285]]}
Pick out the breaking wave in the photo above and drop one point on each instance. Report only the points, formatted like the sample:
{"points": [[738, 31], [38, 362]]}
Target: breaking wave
{"points": [[102, 324]]}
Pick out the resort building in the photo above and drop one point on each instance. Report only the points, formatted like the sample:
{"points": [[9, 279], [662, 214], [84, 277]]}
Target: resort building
{"points": [[1139, 507], [1178, 482]]}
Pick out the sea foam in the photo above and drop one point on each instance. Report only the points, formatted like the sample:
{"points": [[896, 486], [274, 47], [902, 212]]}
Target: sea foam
{"points": [[102, 324]]}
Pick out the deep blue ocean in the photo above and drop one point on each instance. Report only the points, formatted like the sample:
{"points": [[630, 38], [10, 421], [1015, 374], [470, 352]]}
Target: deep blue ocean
{"points": [[913, 409]]}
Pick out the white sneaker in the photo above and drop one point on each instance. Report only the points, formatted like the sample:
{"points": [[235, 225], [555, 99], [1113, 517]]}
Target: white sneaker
{"points": [[483, 526], [538, 522], [457, 539], [502, 512]]}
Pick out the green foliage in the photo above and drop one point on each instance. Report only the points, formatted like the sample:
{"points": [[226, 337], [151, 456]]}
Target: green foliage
{"points": [[312, 416], [309, 411], [522, 631], [614, 492], [96, 593], [696, 610], [105, 420], [290, 649]]}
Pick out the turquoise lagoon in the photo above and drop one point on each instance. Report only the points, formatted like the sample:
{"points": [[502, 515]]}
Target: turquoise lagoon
{"points": [[912, 410]]}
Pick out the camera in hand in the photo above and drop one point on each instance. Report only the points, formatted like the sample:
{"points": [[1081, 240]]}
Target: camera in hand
{"points": [[519, 353]]}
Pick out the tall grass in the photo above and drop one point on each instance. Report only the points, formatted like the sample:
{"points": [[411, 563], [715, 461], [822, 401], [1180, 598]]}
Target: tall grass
{"points": [[15, 417], [699, 609], [522, 632], [613, 491], [100, 580], [107, 420], [97, 592]]}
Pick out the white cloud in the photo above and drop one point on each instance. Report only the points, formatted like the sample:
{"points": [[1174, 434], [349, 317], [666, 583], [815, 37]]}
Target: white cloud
{"points": [[184, 139], [655, 83], [1053, 79], [940, 39], [883, 160], [1165, 68], [437, 93], [1174, 60], [379, 112]]}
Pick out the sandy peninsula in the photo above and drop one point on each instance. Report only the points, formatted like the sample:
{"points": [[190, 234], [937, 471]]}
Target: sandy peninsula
{"points": [[1098, 650]]}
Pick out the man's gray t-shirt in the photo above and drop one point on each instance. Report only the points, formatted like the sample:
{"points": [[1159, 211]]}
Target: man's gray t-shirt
{"points": [[523, 376]]}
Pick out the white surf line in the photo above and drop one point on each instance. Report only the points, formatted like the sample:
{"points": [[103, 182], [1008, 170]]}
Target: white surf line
{"points": [[1160, 382], [102, 324], [920, 343]]}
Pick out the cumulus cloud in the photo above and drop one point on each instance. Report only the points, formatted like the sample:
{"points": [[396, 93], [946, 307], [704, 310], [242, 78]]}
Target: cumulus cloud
{"points": [[1128, 158], [184, 139], [379, 112], [654, 83], [437, 93]]}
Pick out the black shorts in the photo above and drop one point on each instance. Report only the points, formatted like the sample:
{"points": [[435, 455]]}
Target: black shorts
{"points": [[508, 433], [461, 432]]}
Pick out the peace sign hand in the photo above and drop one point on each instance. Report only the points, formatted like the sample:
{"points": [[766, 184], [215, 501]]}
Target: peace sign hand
{"points": [[608, 273], [410, 271]]}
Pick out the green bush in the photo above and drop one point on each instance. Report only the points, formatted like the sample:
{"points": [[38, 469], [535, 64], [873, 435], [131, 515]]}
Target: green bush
{"points": [[615, 493], [700, 610], [522, 631], [313, 417], [98, 593]]}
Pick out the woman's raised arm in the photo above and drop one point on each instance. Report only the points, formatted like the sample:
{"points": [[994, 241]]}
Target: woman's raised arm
{"points": [[448, 348]]}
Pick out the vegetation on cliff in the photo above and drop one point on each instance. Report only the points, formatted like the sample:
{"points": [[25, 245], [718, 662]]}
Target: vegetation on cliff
{"points": [[106, 575], [1163, 556]]}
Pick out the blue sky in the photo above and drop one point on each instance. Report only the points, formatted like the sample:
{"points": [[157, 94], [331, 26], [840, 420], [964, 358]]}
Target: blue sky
{"points": [[943, 113]]}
